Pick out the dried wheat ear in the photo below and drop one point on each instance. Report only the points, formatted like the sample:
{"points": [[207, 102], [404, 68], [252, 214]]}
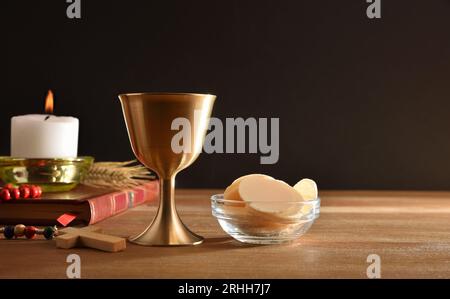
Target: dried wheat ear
{"points": [[117, 175]]}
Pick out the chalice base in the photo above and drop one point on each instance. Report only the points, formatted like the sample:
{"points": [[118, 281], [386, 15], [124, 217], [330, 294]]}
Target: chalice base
{"points": [[174, 235]]}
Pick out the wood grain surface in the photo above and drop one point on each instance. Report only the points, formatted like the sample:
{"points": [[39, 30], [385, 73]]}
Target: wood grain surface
{"points": [[410, 231]]}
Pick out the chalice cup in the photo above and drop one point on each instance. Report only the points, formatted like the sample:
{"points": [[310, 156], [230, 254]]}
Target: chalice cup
{"points": [[167, 131]]}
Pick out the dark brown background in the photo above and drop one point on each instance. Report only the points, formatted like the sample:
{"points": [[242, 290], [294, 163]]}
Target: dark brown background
{"points": [[362, 103]]}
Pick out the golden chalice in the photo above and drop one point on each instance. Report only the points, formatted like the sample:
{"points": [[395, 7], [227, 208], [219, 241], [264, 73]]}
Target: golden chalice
{"points": [[150, 122]]}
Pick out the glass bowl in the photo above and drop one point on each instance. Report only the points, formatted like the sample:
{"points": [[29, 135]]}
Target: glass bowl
{"points": [[249, 222], [53, 175]]}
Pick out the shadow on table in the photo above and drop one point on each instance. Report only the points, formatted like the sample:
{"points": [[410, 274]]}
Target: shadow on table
{"points": [[210, 244]]}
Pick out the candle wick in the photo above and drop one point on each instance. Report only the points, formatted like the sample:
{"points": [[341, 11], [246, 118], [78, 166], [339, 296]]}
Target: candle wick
{"points": [[48, 116]]}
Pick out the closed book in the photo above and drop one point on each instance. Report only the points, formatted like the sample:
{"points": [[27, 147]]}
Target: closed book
{"points": [[90, 205]]}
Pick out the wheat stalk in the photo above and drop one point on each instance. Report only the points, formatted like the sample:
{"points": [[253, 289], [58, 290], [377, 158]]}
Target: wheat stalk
{"points": [[117, 175]]}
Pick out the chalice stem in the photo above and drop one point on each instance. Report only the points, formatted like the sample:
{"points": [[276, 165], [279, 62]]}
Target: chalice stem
{"points": [[167, 212], [167, 227]]}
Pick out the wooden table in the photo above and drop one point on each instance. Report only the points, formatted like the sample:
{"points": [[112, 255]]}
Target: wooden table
{"points": [[410, 231]]}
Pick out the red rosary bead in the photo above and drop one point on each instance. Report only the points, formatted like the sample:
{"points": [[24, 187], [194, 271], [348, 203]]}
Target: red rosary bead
{"points": [[15, 193], [39, 191], [34, 192], [30, 232], [24, 191], [8, 186], [5, 195]]}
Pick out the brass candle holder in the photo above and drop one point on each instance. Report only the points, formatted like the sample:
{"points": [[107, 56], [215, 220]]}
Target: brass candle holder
{"points": [[53, 175], [149, 118]]}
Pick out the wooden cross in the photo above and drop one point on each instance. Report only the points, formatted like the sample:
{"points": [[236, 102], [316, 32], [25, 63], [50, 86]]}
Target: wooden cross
{"points": [[88, 237]]}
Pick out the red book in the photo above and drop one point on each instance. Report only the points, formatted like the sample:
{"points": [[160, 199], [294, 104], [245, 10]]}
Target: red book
{"points": [[89, 205]]}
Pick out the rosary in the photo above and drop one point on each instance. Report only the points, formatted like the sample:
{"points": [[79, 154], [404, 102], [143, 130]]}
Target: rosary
{"points": [[30, 232], [8, 193]]}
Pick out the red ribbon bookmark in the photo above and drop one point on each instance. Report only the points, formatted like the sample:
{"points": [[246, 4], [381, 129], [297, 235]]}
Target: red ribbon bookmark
{"points": [[65, 219]]}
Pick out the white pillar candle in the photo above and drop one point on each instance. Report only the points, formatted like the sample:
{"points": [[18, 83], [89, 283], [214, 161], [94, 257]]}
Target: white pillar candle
{"points": [[44, 136]]}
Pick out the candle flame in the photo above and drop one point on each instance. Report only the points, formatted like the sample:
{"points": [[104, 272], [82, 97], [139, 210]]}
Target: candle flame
{"points": [[49, 103]]}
